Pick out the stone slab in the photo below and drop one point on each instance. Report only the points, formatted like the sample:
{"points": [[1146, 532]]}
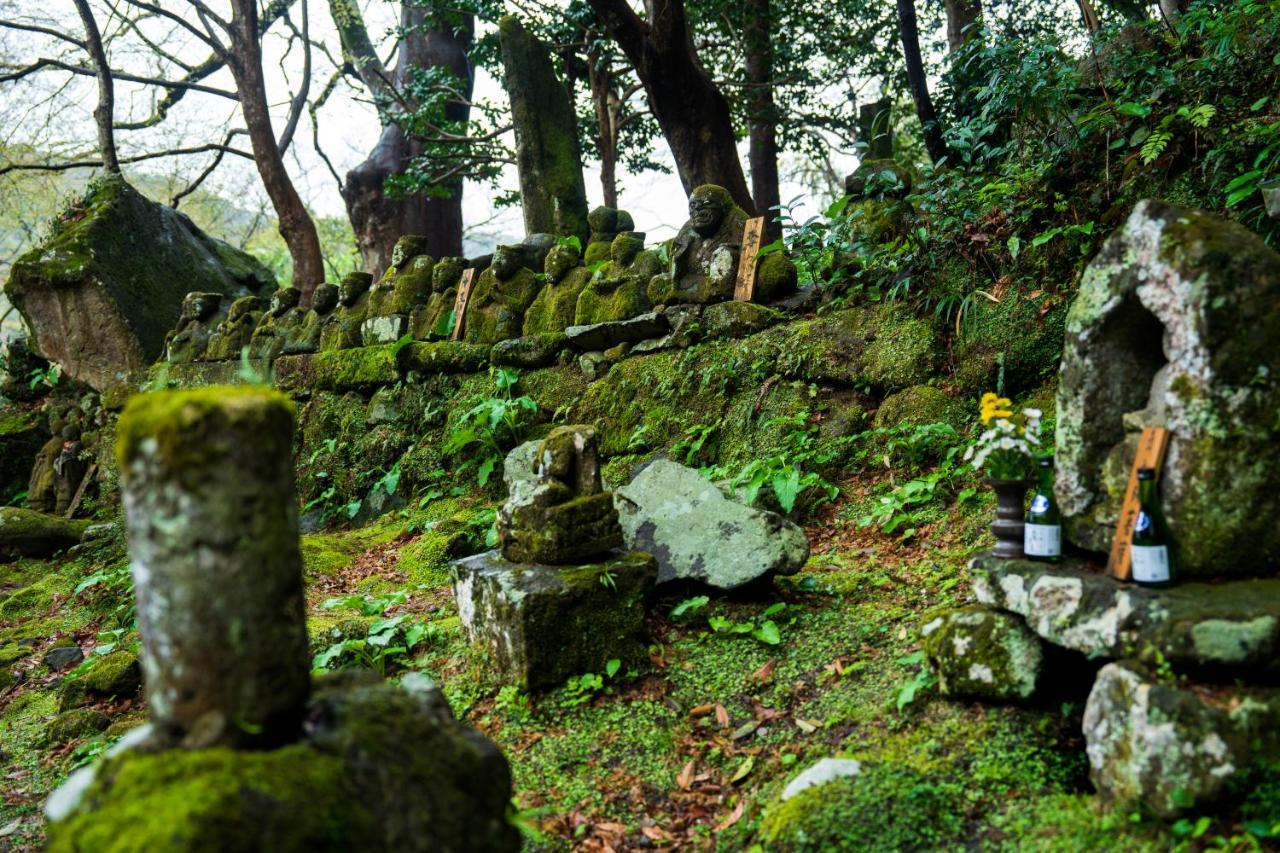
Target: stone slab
{"points": [[601, 336], [1232, 627]]}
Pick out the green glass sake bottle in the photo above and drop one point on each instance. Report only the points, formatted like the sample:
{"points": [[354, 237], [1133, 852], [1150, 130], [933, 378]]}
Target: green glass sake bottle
{"points": [[1042, 537], [1150, 563]]}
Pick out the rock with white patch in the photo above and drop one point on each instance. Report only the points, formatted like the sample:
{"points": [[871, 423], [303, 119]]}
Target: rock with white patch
{"points": [[1227, 629], [538, 625], [1168, 748], [1175, 325], [826, 770], [983, 653], [696, 533]]}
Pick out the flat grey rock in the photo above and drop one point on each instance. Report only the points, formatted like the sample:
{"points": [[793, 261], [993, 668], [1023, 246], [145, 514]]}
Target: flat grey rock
{"points": [[602, 336]]}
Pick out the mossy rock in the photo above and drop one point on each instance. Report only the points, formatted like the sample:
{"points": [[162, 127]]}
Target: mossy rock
{"points": [[537, 350], [339, 370], [1019, 338], [26, 533], [107, 285], [776, 277], [983, 653], [883, 808], [917, 406], [444, 357], [113, 676], [880, 346], [738, 319], [75, 724], [21, 437]]}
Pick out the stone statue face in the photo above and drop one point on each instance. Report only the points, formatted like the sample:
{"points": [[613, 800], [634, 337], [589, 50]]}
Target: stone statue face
{"points": [[352, 288], [624, 249], [446, 274], [325, 299], [707, 208], [205, 305], [284, 299], [506, 261], [407, 247], [560, 260]]}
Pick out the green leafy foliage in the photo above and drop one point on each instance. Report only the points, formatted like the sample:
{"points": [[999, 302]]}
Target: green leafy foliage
{"points": [[487, 431]]}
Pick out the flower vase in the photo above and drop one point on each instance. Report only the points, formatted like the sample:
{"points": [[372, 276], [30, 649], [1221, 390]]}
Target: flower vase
{"points": [[1008, 526]]}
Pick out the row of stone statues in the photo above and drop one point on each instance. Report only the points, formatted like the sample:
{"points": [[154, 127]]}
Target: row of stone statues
{"points": [[538, 286]]}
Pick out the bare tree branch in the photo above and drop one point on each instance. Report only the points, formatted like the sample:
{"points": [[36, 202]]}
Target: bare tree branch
{"points": [[34, 28], [300, 99], [58, 64], [106, 107], [217, 158], [136, 158]]}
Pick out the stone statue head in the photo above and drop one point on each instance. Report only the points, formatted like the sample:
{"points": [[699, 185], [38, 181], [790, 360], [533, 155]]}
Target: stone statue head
{"points": [[707, 208], [200, 306], [284, 299], [407, 247], [507, 261], [447, 272], [624, 249], [242, 307], [325, 299], [560, 260], [354, 285], [625, 222]]}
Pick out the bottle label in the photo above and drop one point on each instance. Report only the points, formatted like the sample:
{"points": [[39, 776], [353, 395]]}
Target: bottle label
{"points": [[1039, 503], [1142, 522], [1150, 563], [1042, 540]]}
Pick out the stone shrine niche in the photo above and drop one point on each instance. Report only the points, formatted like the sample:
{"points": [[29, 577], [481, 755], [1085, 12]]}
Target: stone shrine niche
{"points": [[189, 340], [235, 331], [1175, 325]]}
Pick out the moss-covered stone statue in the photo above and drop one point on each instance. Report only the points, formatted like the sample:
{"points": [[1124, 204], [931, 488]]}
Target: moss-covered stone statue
{"points": [[501, 296], [619, 290], [190, 338], [278, 324], [405, 286], [433, 320], [341, 329], [554, 307], [606, 223], [234, 333], [306, 336], [704, 256]]}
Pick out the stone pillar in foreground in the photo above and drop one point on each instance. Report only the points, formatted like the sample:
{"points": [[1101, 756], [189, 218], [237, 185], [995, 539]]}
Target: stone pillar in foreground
{"points": [[207, 482]]}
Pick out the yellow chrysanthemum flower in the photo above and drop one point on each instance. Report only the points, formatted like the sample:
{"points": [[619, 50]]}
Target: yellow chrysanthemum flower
{"points": [[994, 406]]}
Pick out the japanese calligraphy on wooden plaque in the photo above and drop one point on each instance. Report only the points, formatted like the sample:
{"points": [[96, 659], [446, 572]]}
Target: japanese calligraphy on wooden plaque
{"points": [[752, 235], [460, 304], [1151, 448]]}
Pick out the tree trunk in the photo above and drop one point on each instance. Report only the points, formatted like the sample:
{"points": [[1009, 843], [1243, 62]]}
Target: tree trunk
{"points": [[690, 108], [933, 140], [962, 15], [377, 219], [296, 225], [762, 120], [104, 112], [608, 113]]}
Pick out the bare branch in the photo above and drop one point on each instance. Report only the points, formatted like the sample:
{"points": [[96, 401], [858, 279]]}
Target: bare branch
{"points": [[58, 64], [105, 109], [136, 158], [34, 28], [217, 158], [300, 99]]}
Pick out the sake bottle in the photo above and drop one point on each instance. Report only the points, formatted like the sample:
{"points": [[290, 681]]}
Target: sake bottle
{"points": [[1042, 536], [1150, 562]]}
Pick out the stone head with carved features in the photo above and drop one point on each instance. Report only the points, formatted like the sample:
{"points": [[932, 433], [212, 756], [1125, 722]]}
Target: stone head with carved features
{"points": [[407, 248], [353, 286], [201, 307], [708, 206], [624, 248], [560, 260], [507, 261], [284, 300], [447, 273], [325, 299]]}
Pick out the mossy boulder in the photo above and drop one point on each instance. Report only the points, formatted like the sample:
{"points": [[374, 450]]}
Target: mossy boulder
{"points": [[737, 319], [539, 350], [21, 436], [776, 277], [982, 653], [1175, 325], [26, 533], [916, 406], [1169, 747], [538, 625], [361, 368], [107, 285], [384, 767], [75, 724], [884, 807], [445, 357], [1019, 338]]}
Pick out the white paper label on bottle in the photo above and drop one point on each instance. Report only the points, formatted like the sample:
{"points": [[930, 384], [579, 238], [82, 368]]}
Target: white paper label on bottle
{"points": [[1042, 540], [1150, 563]]}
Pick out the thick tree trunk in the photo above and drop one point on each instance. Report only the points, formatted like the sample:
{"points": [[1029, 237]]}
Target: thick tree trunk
{"points": [[962, 15], [603, 100], [690, 108], [296, 225], [933, 140], [762, 122], [377, 219], [104, 112]]}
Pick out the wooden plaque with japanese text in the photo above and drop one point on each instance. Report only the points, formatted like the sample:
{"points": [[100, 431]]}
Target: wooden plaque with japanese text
{"points": [[752, 236], [460, 304], [1151, 448]]}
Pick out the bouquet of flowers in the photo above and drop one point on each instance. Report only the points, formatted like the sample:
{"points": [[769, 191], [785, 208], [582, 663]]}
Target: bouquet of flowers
{"points": [[1007, 446]]}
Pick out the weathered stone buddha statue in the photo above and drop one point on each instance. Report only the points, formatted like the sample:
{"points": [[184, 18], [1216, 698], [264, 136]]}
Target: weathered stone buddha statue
{"points": [[557, 512], [501, 296], [432, 320], [189, 340], [619, 290], [305, 337], [405, 286], [235, 332], [704, 255], [605, 223], [554, 307], [341, 329], [275, 327]]}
